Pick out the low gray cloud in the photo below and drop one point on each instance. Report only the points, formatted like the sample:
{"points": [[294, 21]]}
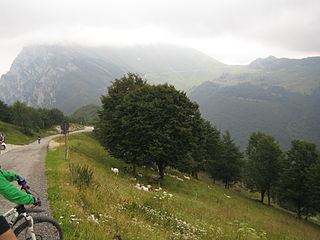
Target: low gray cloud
{"points": [[288, 24]]}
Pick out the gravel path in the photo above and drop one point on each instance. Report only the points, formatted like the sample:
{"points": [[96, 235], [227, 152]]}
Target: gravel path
{"points": [[29, 162]]}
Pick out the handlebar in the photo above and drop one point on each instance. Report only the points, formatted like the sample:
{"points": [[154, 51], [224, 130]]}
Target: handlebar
{"points": [[26, 188]]}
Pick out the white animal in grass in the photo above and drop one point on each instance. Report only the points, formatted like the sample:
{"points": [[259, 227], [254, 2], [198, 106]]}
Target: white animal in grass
{"points": [[141, 187], [186, 177], [158, 189], [144, 188], [115, 170]]}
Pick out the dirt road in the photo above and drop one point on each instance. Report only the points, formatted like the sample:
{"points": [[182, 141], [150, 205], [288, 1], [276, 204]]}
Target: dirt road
{"points": [[29, 162]]}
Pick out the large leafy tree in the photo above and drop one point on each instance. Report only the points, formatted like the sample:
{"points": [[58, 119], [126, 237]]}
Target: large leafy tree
{"points": [[263, 164], [153, 125], [226, 165], [108, 127], [298, 188]]}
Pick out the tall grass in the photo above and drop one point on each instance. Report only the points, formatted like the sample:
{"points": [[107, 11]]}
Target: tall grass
{"points": [[189, 209]]}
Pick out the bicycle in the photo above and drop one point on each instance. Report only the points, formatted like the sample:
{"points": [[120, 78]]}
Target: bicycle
{"points": [[33, 228]]}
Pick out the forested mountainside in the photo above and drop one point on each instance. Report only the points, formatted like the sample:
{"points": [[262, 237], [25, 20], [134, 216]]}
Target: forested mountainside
{"points": [[246, 108]]}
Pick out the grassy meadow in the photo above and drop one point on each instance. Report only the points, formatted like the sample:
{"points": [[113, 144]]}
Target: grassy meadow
{"points": [[110, 206]]}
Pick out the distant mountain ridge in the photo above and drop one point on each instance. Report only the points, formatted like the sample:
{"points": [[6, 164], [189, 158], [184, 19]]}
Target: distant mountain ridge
{"points": [[70, 77], [296, 75]]}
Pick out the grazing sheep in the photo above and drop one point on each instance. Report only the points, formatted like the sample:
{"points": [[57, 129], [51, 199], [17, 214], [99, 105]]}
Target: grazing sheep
{"points": [[186, 177], [226, 195], [115, 170], [144, 188], [141, 187], [138, 186]]}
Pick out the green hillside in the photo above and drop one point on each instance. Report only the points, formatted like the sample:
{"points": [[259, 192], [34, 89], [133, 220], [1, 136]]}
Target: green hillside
{"points": [[295, 75], [15, 135], [86, 114], [188, 209]]}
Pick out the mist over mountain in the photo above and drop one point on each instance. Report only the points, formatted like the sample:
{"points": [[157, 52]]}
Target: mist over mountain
{"points": [[278, 96], [68, 77]]}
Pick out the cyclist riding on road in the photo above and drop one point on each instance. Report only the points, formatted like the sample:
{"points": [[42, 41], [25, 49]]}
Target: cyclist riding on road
{"points": [[14, 195]]}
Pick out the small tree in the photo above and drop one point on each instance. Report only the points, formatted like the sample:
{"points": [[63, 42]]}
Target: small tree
{"points": [[314, 184], [263, 164], [206, 146], [297, 187], [227, 163]]}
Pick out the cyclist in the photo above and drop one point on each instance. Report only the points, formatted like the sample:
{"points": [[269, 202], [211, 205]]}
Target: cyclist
{"points": [[14, 195], [39, 139]]}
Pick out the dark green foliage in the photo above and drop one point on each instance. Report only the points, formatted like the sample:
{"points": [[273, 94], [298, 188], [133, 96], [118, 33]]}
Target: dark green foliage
{"points": [[263, 164], [106, 128], [314, 184], [81, 176], [157, 125], [145, 124], [205, 147], [299, 186], [226, 162], [5, 112], [29, 118], [24, 116]]}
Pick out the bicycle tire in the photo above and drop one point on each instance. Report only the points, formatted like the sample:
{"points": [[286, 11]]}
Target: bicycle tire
{"points": [[45, 229]]}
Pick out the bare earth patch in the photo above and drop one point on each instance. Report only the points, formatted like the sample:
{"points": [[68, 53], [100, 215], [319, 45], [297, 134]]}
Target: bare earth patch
{"points": [[53, 145]]}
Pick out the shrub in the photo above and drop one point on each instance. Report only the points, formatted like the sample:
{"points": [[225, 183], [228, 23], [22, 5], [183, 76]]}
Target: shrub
{"points": [[81, 176]]}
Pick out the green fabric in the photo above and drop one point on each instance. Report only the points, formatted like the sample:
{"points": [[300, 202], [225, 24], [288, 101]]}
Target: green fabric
{"points": [[12, 193]]}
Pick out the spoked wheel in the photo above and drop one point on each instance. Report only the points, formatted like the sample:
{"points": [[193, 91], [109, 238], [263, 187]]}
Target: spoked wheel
{"points": [[44, 228]]}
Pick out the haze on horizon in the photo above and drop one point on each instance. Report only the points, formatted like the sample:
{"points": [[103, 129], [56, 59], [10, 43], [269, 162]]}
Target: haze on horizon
{"points": [[232, 31]]}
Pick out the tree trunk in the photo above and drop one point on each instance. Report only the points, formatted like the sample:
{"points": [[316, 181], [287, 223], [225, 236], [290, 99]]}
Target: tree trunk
{"points": [[262, 195], [226, 185], [134, 170], [299, 213], [268, 197], [161, 168], [195, 174]]}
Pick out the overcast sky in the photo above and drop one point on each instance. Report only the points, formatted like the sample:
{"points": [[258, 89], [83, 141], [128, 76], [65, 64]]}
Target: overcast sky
{"points": [[231, 31]]}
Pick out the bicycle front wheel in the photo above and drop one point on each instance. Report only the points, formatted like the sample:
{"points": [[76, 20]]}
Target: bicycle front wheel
{"points": [[44, 228]]}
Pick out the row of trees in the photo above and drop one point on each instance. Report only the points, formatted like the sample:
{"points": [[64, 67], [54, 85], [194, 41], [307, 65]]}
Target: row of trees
{"points": [[29, 118], [158, 125], [292, 178]]}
